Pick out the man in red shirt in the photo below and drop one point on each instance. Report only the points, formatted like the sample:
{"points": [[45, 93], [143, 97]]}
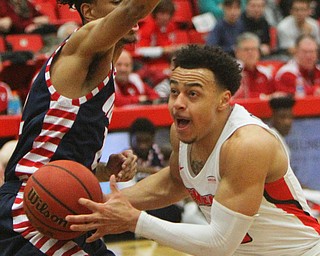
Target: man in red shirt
{"points": [[157, 33], [129, 87], [20, 17], [257, 80], [302, 71]]}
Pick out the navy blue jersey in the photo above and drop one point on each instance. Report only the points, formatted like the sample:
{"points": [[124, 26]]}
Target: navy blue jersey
{"points": [[53, 127]]}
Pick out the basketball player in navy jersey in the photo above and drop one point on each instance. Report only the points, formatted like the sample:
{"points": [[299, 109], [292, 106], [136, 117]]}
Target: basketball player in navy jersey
{"points": [[66, 116], [230, 162]]}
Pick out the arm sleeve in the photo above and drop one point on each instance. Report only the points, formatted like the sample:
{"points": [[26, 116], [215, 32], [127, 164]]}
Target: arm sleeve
{"points": [[222, 236]]}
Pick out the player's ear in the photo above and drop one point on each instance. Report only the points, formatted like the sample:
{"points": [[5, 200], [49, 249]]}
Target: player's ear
{"points": [[225, 98], [86, 11]]}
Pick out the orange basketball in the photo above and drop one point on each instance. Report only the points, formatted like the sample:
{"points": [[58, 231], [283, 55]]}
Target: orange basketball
{"points": [[52, 193]]}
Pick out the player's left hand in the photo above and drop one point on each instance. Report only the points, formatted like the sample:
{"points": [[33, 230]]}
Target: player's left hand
{"points": [[115, 216], [122, 165]]}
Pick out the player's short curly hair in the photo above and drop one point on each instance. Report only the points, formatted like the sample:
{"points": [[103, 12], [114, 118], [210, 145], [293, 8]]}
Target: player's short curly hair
{"points": [[75, 4], [225, 68]]}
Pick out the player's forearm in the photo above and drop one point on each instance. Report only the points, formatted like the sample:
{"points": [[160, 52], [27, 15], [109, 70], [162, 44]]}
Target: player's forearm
{"points": [[221, 237], [155, 191]]}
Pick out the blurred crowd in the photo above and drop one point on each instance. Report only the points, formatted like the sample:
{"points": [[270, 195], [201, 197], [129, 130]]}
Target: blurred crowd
{"points": [[275, 41]]}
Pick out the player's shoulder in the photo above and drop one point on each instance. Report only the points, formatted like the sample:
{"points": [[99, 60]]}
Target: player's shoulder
{"points": [[252, 137]]}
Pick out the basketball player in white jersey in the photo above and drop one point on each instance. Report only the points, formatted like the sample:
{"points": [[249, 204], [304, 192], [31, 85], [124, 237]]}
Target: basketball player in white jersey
{"points": [[231, 163]]}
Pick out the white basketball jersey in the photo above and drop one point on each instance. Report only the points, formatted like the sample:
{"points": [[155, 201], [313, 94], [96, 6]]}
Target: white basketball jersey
{"points": [[283, 225]]}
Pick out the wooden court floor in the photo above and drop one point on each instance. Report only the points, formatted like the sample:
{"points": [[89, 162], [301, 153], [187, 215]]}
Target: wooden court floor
{"points": [[142, 247]]}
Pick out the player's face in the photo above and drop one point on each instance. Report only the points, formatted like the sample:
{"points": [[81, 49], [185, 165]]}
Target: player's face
{"points": [[193, 104]]}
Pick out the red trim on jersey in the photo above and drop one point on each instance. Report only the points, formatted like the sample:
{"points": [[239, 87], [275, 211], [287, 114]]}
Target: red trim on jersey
{"points": [[29, 163], [246, 239], [42, 152], [55, 127], [61, 114], [75, 102], [41, 242], [55, 96], [18, 211], [55, 247], [47, 139], [28, 230], [279, 194]]}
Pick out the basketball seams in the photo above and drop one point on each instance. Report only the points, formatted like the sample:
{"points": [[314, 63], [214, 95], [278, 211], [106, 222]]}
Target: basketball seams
{"points": [[74, 176], [53, 196], [29, 213], [46, 202]]}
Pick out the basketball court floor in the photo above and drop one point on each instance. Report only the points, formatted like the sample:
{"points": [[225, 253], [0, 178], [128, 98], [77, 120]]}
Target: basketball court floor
{"points": [[142, 247]]}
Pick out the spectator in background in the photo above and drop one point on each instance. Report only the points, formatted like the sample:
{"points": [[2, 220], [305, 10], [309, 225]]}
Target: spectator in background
{"points": [[163, 88], [20, 16], [273, 12], [158, 40], [129, 87], [301, 75], [282, 116], [296, 24], [215, 7], [157, 33], [285, 6], [150, 160], [226, 31], [315, 9], [257, 80], [5, 94], [254, 21]]}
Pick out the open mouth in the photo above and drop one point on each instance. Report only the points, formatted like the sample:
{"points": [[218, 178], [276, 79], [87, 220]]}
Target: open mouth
{"points": [[182, 123]]}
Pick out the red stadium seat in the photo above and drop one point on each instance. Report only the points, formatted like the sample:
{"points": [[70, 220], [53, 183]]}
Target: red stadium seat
{"points": [[48, 9], [181, 37], [66, 14], [183, 13], [196, 37], [25, 42], [2, 44]]}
